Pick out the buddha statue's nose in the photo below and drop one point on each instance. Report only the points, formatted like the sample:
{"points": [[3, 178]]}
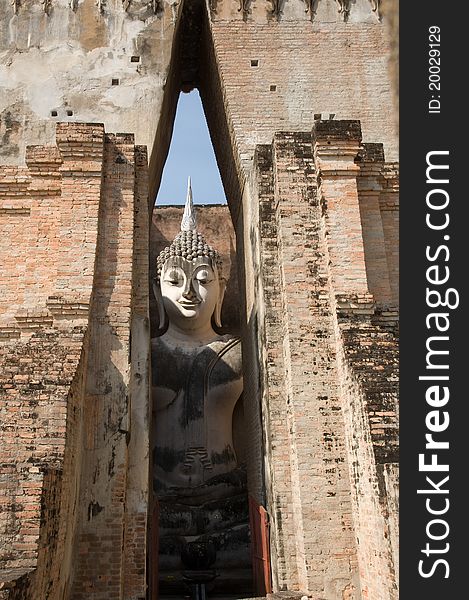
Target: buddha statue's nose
{"points": [[189, 292]]}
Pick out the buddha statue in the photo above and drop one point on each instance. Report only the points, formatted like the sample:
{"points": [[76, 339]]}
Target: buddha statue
{"points": [[196, 383]]}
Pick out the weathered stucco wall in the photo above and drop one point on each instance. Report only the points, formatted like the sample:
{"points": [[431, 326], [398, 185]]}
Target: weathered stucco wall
{"points": [[81, 60], [110, 62]]}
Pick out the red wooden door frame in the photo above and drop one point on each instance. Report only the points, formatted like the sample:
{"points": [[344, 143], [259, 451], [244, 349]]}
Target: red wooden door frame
{"points": [[260, 548]]}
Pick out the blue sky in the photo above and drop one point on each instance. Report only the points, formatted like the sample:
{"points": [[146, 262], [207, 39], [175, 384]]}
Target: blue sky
{"points": [[191, 153]]}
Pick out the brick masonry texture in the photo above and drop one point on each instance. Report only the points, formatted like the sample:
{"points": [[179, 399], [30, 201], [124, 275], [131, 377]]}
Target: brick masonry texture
{"points": [[299, 106], [319, 407], [67, 407], [342, 407], [297, 57]]}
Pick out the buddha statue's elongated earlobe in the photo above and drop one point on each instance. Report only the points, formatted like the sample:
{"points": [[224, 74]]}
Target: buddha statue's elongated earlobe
{"points": [[221, 295], [162, 316]]}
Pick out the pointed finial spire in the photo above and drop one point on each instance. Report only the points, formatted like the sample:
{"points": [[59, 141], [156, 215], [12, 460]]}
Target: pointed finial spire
{"points": [[189, 222]]}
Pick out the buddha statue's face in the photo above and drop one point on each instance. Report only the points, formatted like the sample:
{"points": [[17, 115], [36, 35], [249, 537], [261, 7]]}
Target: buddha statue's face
{"points": [[190, 291]]}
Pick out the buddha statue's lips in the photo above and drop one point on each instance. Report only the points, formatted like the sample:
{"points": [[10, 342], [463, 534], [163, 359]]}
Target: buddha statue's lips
{"points": [[189, 304]]}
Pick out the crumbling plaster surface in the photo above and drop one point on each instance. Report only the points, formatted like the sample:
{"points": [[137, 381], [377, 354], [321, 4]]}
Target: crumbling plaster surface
{"points": [[67, 59], [63, 55]]}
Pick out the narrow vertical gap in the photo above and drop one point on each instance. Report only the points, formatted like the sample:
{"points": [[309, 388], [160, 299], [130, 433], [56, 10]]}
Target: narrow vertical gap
{"points": [[190, 154], [213, 102], [193, 69]]}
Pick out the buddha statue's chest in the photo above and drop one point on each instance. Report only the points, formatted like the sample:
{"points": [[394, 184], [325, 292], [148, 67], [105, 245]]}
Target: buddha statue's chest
{"points": [[187, 381], [194, 394]]}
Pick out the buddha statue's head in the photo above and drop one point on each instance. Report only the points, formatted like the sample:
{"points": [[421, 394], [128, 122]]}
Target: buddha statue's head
{"points": [[189, 286]]}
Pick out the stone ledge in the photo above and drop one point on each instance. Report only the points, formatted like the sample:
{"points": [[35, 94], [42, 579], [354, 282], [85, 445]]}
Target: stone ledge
{"points": [[43, 157], [67, 307], [340, 130], [10, 578], [9, 332], [355, 304], [371, 152], [33, 319], [287, 596], [24, 211]]}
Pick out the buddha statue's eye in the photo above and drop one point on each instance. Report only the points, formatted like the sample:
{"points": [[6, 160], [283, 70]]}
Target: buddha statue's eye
{"points": [[173, 276], [204, 276]]}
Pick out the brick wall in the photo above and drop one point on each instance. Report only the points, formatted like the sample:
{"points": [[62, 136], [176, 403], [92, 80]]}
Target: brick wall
{"points": [[368, 369], [316, 236], [265, 368], [72, 422], [49, 246], [373, 510], [389, 207], [328, 372], [44, 310], [40, 399], [103, 522], [137, 492]]}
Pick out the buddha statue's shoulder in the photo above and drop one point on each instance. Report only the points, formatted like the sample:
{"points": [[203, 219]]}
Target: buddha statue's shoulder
{"points": [[227, 349], [227, 343]]}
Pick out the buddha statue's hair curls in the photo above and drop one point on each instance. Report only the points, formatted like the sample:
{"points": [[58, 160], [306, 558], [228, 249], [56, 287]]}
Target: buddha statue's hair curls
{"points": [[189, 245]]}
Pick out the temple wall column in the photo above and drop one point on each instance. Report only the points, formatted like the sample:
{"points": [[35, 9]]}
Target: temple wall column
{"points": [[389, 207], [113, 499], [336, 145], [138, 476], [311, 510], [366, 346]]}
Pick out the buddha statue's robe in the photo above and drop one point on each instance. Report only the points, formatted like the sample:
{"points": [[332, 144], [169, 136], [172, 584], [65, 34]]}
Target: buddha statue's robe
{"points": [[195, 390], [200, 486]]}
